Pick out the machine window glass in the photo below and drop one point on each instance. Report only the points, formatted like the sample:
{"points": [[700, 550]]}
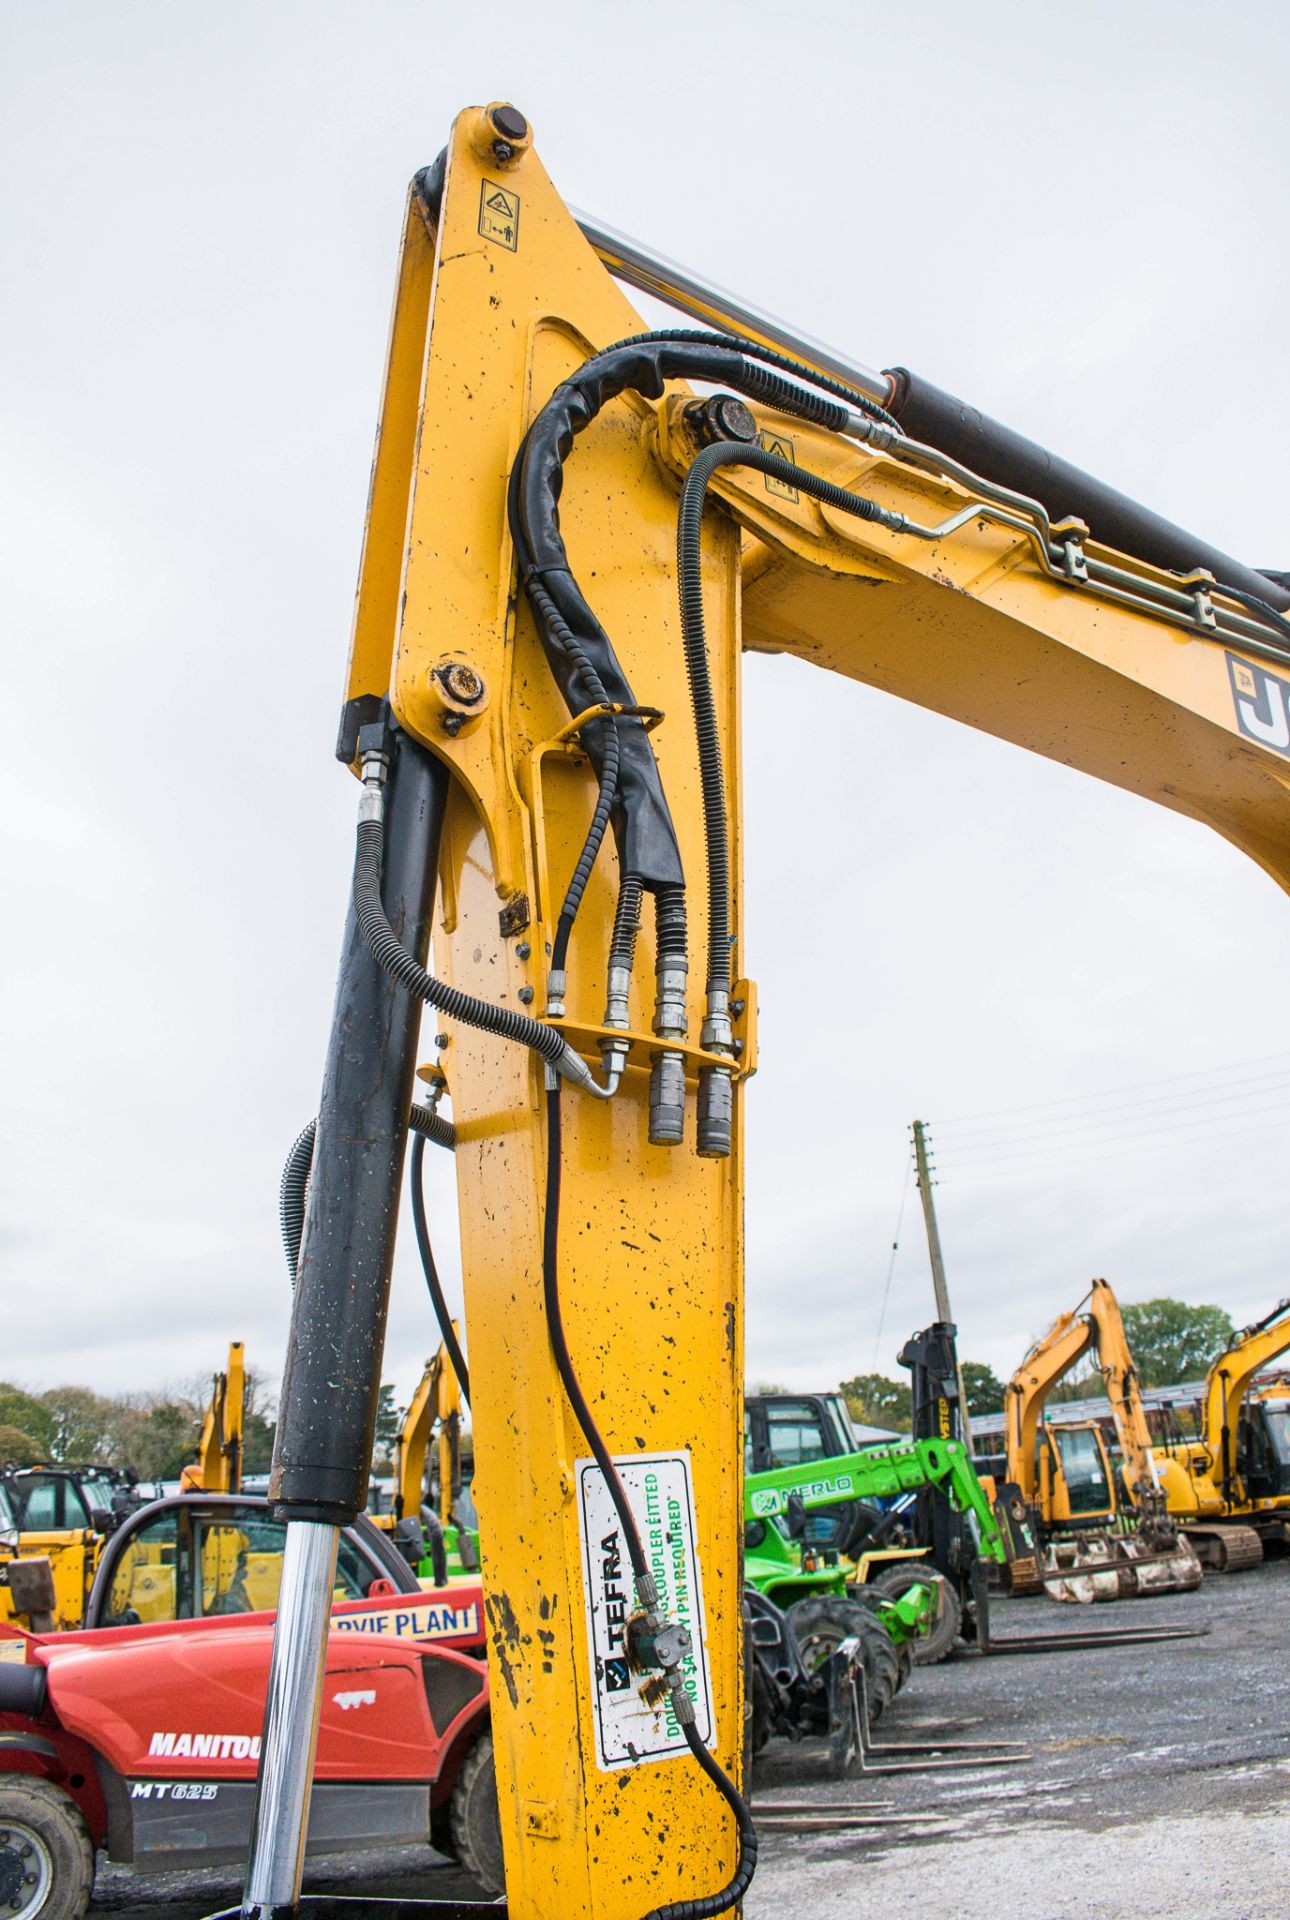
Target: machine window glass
{"points": [[240, 1562], [794, 1433], [151, 1576], [40, 1506], [748, 1442], [1085, 1469], [842, 1415]]}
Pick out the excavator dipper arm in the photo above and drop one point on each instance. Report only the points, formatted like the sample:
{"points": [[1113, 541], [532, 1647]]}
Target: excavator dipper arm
{"points": [[543, 708]]}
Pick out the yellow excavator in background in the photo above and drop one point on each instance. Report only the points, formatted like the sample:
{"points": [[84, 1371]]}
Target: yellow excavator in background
{"points": [[539, 784], [218, 1466], [1106, 1531], [434, 1543], [1229, 1486]]}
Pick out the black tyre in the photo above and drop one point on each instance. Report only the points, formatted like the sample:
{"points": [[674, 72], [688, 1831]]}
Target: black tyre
{"points": [[930, 1648], [46, 1858], [475, 1823], [820, 1624]]}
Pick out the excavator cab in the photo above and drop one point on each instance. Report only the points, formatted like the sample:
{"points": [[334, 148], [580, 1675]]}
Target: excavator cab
{"points": [[1076, 1478], [1263, 1448]]}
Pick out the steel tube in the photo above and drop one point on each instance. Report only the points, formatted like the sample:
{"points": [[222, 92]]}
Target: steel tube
{"points": [[290, 1737], [653, 273]]}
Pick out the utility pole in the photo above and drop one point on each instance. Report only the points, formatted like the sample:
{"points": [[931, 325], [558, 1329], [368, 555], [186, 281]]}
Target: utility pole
{"points": [[922, 1161]]}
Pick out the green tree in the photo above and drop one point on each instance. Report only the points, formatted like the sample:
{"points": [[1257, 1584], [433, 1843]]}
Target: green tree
{"points": [[24, 1411], [1172, 1342], [82, 1422], [876, 1401], [17, 1449], [983, 1387], [258, 1435], [389, 1422]]}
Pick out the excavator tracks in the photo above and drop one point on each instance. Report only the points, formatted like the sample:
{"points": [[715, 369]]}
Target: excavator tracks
{"points": [[1226, 1549]]}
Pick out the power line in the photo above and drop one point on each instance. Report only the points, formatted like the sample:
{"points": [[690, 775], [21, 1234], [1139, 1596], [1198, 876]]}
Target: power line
{"points": [[1079, 1136], [1142, 1141], [1172, 1103], [1107, 1093], [891, 1267]]}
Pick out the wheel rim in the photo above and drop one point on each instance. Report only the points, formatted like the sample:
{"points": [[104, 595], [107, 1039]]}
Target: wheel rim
{"points": [[26, 1870]]}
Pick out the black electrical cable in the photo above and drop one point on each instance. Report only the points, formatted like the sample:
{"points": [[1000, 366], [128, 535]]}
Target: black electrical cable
{"points": [[448, 1333], [293, 1189], [1255, 605], [705, 1906], [726, 453], [389, 953]]}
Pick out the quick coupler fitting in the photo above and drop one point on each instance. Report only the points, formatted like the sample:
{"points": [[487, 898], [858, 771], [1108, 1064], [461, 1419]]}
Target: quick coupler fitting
{"points": [[716, 1112], [667, 1100]]}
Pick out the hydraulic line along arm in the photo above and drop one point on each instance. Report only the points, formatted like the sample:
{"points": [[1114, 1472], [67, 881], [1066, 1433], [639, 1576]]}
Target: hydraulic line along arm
{"points": [[548, 738]]}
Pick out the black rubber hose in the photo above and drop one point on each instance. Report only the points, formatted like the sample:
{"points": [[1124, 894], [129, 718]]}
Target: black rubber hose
{"points": [[728, 453], [752, 350], [293, 1189], [390, 954], [447, 1332], [646, 836], [704, 1906]]}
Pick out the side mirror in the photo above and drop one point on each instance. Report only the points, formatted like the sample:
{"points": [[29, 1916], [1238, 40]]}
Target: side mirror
{"points": [[795, 1517]]}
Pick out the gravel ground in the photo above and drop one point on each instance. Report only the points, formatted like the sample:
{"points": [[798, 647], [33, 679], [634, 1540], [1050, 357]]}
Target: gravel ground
{"points": [[1157, 1788]]}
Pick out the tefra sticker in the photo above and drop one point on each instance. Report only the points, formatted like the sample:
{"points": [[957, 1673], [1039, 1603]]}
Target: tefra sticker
{"points": [[660, 1492]]}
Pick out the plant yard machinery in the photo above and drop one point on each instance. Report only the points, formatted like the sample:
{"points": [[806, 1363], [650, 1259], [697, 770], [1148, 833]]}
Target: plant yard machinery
{"points": [[1229, 1488], [433, 1542], [1105, 1535], [542, 712], [218, 1467], [845, 1489]]}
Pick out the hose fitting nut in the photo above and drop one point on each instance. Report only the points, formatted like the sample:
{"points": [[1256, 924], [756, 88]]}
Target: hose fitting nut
{"points": [[557, 985], [669, 1006], [667, 1100]]}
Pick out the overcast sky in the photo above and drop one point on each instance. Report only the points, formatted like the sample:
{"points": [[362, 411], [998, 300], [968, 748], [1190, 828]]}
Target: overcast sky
{"points": [[1075, 220]]}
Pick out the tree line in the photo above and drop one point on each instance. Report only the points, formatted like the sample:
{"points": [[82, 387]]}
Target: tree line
{"points": [[153, 1435], [1170, 1341]]}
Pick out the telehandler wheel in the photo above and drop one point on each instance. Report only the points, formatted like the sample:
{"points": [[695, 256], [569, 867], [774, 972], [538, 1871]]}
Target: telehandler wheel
{"points": [[930, 1648], [475, 1821], [822, 1621], [46, 1859], [866, 1597]]}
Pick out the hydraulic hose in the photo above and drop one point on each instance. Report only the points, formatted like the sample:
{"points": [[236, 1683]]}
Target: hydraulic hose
{"points": [[293, 1189], [704, 1906], [394, 958], [772, 357], [727, 453], [447, 1332]]}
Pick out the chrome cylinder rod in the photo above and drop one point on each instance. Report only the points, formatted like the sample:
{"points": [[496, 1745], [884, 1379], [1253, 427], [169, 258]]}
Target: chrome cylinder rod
{"points": [[713, 306], [280, 1823]]}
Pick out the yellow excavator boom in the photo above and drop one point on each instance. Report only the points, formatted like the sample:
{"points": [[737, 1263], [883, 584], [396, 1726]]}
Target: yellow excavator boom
{"points": [[599, 1161]]}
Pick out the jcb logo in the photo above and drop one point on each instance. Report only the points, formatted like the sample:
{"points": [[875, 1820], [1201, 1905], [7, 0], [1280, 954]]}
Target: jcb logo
{"points": [[1262, 704]]}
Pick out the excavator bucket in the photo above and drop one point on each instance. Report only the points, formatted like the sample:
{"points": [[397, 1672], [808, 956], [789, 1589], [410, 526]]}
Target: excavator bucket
{"points": [[1119, 1566]]}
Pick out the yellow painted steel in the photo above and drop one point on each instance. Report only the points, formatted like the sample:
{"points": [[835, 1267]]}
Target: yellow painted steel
{"points": [[651, 1254], [495, 304], [219, 1449]]}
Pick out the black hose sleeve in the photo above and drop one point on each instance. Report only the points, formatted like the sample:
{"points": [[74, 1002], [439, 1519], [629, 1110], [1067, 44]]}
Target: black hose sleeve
{"points": [[627, 923], [447, 1332], [728, 453], [704, 1905], [293, 1194], [771, 356], [293, 1189], [389, 954], [647, 839]]}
